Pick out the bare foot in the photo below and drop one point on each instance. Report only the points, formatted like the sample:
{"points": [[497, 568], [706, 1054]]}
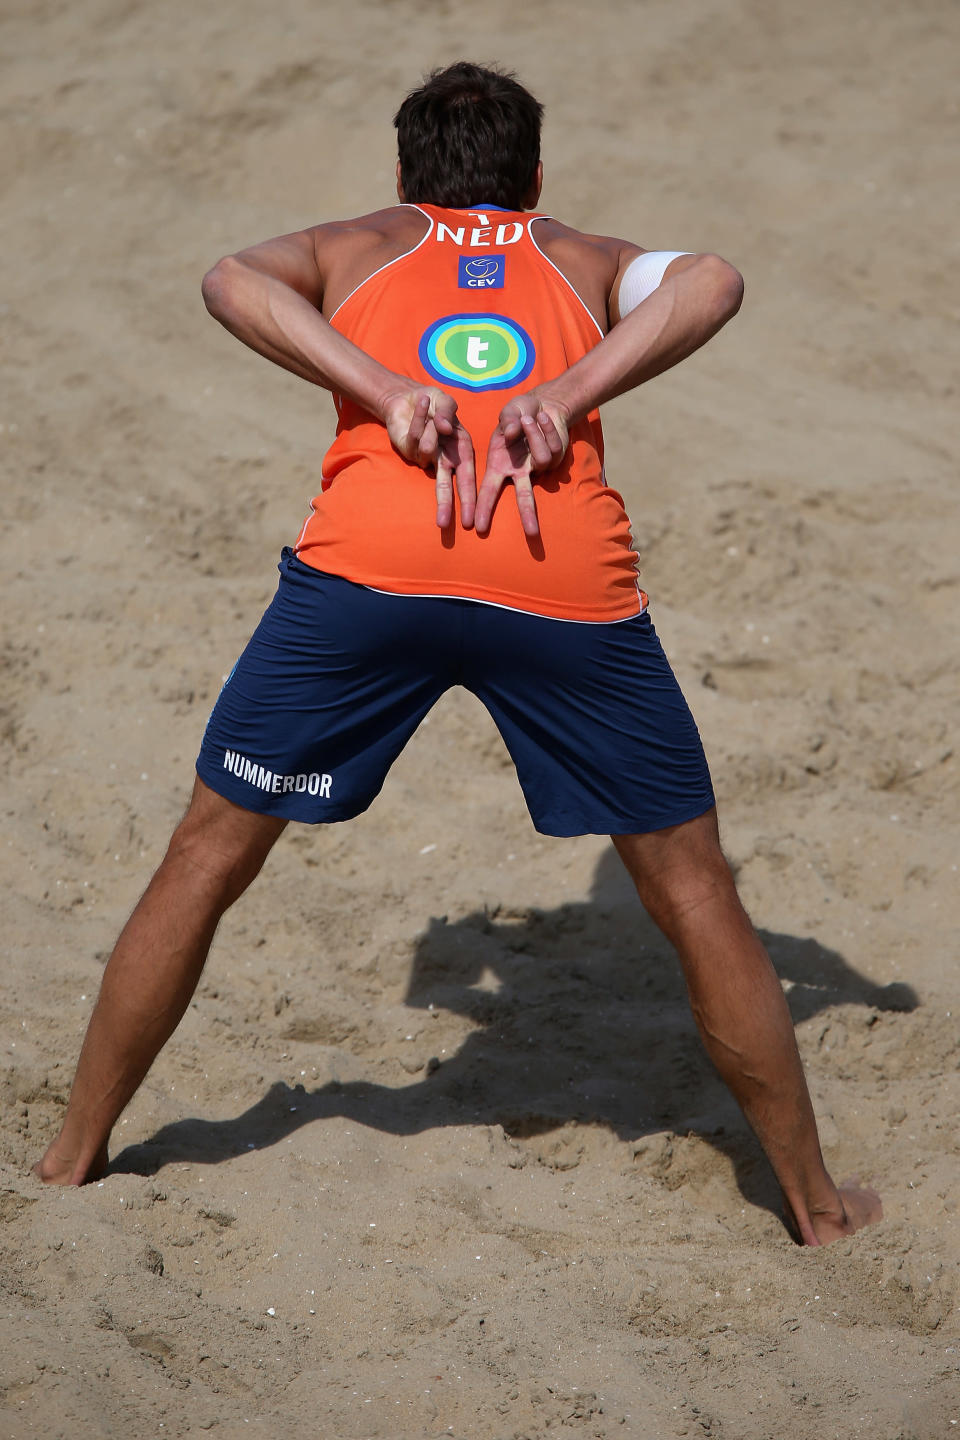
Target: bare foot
{"points": [[57, 1168], [859, 1206]]}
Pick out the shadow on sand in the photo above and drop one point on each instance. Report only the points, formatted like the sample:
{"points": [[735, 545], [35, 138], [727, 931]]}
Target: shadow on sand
{"points": [[580, 1015]]}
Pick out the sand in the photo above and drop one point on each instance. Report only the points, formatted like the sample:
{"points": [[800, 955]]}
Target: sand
{"points": [[435, 1151]]}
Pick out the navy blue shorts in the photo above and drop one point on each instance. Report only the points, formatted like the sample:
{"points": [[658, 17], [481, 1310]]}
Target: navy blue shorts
{"points": [[337, 677]]}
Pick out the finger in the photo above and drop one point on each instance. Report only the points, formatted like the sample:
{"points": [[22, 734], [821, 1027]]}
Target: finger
{"points": [[429, 445], [444, 494], [552, 434], [526, 505], [541, 452], [511, 426], [466, 478], [443, 408], [545, 441], [418, 420], [443, 412], [487, 497]]}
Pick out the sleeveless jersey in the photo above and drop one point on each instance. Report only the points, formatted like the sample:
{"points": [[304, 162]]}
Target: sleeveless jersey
{"points": [[478, 309]]}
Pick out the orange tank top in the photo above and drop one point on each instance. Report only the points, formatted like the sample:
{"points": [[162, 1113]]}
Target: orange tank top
{"points": [[478, 309]]}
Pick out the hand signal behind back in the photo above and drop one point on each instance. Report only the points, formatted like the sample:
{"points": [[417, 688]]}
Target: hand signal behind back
{"points": [[424, 428], [532, 436]]}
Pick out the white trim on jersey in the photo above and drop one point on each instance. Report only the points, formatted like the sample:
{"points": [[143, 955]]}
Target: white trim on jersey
{"points": [[530, 223], [413, 248], [496, 604]]}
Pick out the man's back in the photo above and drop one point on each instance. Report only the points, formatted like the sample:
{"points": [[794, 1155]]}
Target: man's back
{"points": [[472, 303]]}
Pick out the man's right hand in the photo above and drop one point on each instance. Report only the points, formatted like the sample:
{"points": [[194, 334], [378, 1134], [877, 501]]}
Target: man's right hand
{"points": [[424, 428], [532, 436]]}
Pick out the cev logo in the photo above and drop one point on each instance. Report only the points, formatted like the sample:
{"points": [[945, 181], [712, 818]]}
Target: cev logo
{"points": [[482, 272], [477, 352]]}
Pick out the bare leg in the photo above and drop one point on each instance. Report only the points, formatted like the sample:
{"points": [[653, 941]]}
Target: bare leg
{"points": [[737, 1001], [216, 851]]}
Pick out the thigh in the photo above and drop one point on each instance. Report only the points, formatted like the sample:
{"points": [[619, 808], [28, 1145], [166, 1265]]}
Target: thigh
{"points": [[333, 683], [593, 716]]}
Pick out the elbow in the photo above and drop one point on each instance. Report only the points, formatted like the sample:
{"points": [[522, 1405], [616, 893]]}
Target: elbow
{"points": [[219, 286], [726, 287], [734, 290]]}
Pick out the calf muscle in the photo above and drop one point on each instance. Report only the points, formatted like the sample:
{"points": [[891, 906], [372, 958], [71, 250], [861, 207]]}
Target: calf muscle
{"points": [[214, 854], [742, 1017]]}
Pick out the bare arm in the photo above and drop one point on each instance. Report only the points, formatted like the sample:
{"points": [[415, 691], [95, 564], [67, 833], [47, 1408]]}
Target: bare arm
{"points": [[698, 295], [270, 296], [696, 298]]}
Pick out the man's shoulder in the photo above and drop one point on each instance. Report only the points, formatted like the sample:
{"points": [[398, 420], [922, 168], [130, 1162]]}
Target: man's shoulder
{"points": [[591, 263], [380, 225], [552, 233], [349, 251]]}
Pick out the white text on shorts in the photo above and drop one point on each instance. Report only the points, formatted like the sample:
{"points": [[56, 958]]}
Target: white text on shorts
{"points": [[311, 784]]}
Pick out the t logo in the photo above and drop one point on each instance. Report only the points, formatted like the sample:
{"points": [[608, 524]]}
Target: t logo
{"points": [[477, 352], [475, 349]]}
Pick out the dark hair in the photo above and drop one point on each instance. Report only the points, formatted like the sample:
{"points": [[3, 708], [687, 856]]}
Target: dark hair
{"points": [[469, 136]]}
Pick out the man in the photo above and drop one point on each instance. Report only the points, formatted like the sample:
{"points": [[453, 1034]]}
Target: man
{"points": [[458, 332]]}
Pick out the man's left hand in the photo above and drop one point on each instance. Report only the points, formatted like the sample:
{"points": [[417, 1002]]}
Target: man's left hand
{"points": [[532, 436]]}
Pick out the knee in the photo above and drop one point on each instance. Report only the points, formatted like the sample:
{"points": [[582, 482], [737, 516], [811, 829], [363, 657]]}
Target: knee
{"points": [[219, 857], [677, 890], [677, 874]]}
